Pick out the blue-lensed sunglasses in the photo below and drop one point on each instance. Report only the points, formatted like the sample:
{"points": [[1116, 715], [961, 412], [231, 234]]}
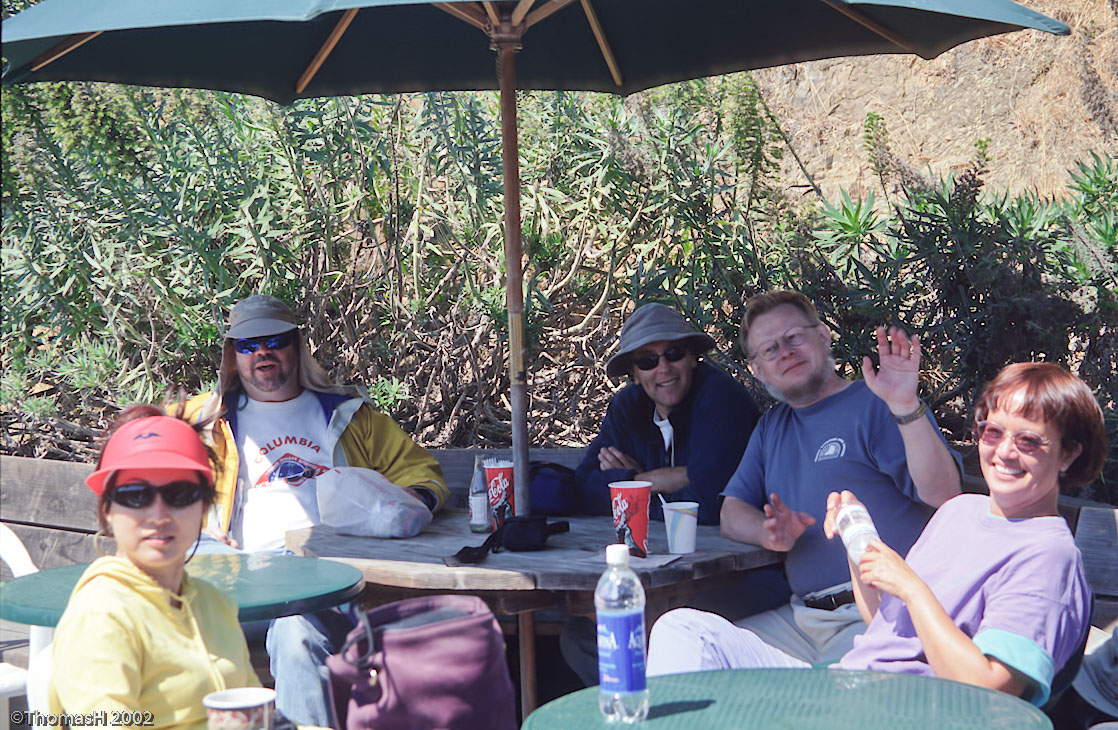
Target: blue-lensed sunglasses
{"points": [[249, 345]]}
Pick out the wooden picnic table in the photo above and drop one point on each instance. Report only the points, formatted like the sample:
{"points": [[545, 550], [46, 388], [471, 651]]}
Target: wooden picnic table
{"points": [[561, 576]]}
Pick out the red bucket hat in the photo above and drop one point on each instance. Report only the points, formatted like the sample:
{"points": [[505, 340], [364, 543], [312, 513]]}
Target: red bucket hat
{"points": [[155, 442]]}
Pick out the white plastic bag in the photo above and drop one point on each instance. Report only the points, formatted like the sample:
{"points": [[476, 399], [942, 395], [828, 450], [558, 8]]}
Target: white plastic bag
{"points": [[357, 501]]}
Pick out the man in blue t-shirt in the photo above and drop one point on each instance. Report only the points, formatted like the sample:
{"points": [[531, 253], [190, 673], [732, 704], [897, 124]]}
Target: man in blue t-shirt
{"points": [[874, 437]]}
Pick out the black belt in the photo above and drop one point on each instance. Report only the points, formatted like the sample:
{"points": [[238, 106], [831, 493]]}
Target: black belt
{"points": [[831, 601]]}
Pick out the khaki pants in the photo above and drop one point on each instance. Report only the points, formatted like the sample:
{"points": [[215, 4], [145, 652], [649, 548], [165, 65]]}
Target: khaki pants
{"points": [[686, 640]]}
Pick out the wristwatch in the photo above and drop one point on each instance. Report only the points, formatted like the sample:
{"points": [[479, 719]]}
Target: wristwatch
{"points": [[910, 417]]}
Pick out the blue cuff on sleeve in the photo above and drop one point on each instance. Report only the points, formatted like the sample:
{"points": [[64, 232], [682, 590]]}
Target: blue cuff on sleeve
{"points": [[1024, 655]]}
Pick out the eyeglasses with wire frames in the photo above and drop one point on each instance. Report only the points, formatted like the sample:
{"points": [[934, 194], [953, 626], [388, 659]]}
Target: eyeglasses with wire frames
{"points": [[649, 360], [792, 337], [138, 495], [1026, 442], [249, 345]]}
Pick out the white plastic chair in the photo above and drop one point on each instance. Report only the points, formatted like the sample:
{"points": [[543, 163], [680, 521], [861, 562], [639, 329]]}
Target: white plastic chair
{"points": [[15, 681]]}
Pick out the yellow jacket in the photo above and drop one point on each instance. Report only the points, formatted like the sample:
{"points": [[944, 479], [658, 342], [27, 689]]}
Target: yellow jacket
{"points": [[356, 435], [121, 645]]}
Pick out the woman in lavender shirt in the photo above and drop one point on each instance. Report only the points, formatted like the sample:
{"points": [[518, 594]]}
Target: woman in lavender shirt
{"points": [[993, 591]]}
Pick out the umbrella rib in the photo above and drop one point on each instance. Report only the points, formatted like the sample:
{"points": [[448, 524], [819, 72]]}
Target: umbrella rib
{"points": [[73, 42], [462, 14], [326, 49], [861, 19], [491, 11], [545, 11], [603, 43], [521, 10]]}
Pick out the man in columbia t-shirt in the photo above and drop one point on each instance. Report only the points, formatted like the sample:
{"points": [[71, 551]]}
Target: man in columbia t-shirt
{"points": [[282, 424]]}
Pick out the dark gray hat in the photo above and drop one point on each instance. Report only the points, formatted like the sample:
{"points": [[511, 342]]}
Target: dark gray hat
{"points": [[653, 323], [259, 316]]}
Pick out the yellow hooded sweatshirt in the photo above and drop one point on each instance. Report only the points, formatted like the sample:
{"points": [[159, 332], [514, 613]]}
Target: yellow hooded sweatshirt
{"points": [[126, 643]]}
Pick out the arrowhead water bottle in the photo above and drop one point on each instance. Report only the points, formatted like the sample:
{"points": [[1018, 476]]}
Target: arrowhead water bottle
{"points": [[856, 530], [619, 601]]}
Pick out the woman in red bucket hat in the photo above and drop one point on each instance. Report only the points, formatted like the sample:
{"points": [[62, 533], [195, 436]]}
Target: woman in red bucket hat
{"points": [[138, 633]]}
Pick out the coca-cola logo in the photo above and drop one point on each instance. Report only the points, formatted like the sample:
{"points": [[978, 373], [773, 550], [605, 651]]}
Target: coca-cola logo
{"points": [[498, 488], [620, 510]]}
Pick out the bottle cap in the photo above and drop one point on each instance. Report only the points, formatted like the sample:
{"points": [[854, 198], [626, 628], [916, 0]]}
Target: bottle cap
{"points": [[617, 554]]}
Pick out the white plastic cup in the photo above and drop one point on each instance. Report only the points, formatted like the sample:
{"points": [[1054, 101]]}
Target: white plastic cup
{"points": [[681, 520], [242, 708]]}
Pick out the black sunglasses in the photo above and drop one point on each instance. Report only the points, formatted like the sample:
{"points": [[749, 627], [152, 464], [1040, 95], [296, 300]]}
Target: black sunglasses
{"points": [[650, 360], [249, 345], [139, 495]]}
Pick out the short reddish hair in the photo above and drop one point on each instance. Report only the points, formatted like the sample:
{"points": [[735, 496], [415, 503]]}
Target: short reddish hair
{"points": [[1053, 395]]}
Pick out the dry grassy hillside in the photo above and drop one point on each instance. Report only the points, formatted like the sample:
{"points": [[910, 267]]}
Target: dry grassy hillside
{"points": [[1043, 101]]}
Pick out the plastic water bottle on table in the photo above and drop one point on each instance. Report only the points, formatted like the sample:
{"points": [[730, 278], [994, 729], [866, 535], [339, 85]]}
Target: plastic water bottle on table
{"points": [[619, 602]]}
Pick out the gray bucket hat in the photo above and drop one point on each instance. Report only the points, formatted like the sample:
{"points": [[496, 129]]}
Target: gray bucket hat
{"points": [[653, 323], [259, 316]]}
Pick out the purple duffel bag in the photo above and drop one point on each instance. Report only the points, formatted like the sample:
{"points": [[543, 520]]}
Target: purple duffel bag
{"points": [[429, 663]]}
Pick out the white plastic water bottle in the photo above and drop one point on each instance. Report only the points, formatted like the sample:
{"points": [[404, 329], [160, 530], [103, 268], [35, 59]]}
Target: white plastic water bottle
{"points": [[856, 530], [619, 601]]}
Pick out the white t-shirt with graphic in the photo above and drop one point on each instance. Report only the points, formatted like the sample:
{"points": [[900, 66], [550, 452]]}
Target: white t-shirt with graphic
{"points": [[282, 451]]}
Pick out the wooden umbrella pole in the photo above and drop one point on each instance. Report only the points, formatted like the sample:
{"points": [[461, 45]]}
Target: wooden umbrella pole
{"points": [[506, 40]]}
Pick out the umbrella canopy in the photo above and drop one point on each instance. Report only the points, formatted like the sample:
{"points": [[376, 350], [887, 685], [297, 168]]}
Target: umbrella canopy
{"points": [[264, 47], [290, 49]]}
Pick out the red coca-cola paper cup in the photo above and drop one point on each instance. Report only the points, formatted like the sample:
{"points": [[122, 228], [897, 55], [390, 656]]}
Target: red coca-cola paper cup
{"points": [[630, 514], [498, 482]]}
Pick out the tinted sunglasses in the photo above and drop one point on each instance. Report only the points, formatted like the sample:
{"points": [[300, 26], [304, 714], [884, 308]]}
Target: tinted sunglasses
{"points": [[249, 345], [650, 360], [140, 495], [1026, 442]]}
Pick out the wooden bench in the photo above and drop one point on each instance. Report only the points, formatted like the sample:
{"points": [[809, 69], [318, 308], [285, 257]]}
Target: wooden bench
{"points": [[1096, 534], [47, 504]]}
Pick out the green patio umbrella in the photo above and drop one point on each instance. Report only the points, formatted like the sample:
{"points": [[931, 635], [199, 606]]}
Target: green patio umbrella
{"points": [[291, 49]]}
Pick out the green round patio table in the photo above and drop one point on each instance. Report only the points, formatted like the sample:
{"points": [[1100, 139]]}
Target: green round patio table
{"points": [[263, 586], [803, 699]]}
